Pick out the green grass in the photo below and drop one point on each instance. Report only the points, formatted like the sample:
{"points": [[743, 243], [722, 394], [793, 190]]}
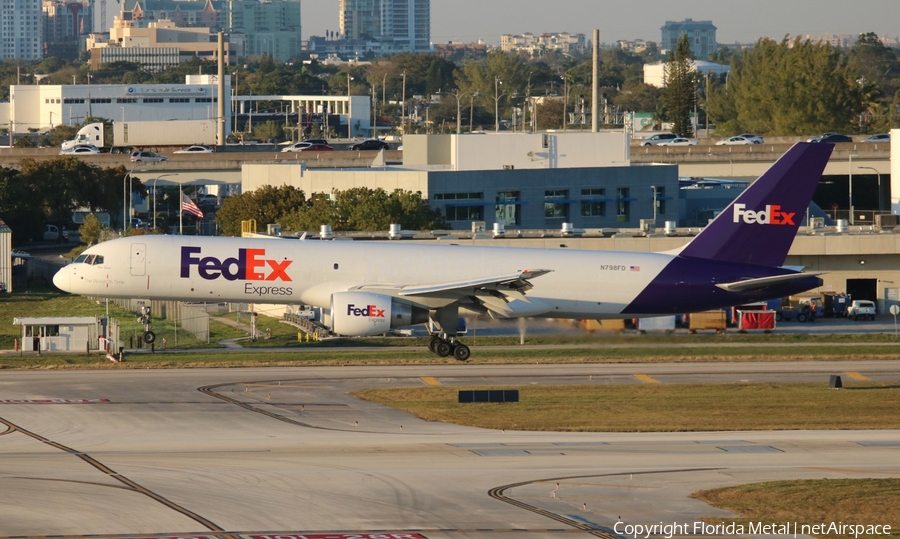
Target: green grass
{"points": [[851, 501], [659, 407]]}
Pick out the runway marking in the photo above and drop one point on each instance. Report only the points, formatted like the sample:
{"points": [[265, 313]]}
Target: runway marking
{"points": [[272, 384], [848, 470], [431, 380], [646, 379], [857, 376], [112, 474], [54, 401]]}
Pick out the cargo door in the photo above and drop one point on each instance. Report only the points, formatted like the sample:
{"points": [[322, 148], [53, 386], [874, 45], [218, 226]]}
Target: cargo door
{"points": [[138, 259]]}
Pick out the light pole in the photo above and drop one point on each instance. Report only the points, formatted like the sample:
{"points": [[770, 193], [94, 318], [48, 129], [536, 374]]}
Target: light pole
{"points": [[878, 174], [125, 214], [458, 97], [850, 187], [653, 188], [565, 79], [374, 112], [90, 114], [497, 83], [154, 194], [349, 109], [403, 106]]}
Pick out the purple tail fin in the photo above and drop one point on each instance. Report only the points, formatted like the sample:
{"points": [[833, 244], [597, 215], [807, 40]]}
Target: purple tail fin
{"points": [[760, 225]]}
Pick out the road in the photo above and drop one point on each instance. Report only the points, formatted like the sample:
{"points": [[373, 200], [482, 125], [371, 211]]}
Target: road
{"points": [[256, 452]]}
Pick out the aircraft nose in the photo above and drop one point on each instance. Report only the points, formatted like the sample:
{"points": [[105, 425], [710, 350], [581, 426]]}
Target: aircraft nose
{"points": [[62, 279]]}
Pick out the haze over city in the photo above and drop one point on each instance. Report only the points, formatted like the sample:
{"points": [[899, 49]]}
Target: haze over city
{"points": [[470, 20]]}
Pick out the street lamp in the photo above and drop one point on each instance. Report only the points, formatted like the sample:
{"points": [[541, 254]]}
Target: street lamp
{"points": [[850, 187], [125, 213], [154, 194], [403, 106], [349, 109], [497, 83], [458, 97], [873, 169], [565, 79]]}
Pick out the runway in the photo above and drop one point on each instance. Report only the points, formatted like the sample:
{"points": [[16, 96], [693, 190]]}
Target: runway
{"points": [[288, 452]]}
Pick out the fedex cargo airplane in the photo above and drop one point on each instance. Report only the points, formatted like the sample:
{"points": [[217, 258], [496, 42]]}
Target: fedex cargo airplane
{"points": [[367, 288]]}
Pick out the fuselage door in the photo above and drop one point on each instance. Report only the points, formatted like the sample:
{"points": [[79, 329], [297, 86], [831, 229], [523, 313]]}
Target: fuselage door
{"points": [[138, 259]]}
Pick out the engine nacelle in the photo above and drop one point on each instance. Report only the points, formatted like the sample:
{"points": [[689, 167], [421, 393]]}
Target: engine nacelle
{"points": [[357, 314]]}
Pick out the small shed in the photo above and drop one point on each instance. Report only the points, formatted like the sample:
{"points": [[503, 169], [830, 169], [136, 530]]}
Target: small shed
{"points": [[59, 333]]}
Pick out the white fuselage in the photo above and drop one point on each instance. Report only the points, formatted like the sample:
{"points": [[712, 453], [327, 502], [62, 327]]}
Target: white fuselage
{"points": [[595, 284]]}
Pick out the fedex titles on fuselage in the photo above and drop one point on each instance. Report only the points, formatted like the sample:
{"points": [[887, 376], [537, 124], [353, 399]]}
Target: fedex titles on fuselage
{"points": [[249, 265], [772, 215]]}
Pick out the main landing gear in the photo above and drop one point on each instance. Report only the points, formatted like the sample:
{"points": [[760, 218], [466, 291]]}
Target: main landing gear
{"points": [[445, 346]]}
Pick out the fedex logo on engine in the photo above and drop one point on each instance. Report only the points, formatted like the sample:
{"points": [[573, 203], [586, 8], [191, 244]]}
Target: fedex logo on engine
{"points": [[372, 311], [248, 265], [772, 215]]}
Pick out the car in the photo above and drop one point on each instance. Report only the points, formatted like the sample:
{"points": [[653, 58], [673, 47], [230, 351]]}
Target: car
{"points": [[371, 144], [316, 141], [834, 139], [754, 138], [197, 148], [680, 141], [297, 146], [137, 223], [736, 141], [142, 156], [880, 137], [817, 138], [316, 148], [81, 149], [658, 138], [861, 308]]}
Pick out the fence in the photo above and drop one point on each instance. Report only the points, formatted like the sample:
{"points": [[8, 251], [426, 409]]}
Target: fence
{"points": [[195, 319]]}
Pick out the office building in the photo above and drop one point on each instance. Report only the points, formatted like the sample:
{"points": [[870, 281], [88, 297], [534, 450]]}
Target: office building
{"points": [[64, 23], [398, 25], [702, 35], [22, 30]]}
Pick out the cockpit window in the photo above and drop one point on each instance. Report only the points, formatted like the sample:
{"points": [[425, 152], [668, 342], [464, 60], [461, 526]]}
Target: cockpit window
{"points": [[80, 259], [97, 260], [90, 259]]}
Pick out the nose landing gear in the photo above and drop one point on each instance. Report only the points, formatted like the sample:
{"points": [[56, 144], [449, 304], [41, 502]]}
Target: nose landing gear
{"points": [[444, 346]]}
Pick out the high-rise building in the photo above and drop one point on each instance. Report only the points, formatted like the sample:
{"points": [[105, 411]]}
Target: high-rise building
{"points": [[406, 24], [702, 36], [22, 29], [360, 19], [64, 22], [399, 25]]}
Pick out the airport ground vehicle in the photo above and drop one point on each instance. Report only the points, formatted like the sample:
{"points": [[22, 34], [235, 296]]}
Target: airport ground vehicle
{"points": [[861, 308], [130, 136]]}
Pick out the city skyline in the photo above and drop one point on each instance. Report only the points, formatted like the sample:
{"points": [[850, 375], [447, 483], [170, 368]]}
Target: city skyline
{"points": [[468, 20]]}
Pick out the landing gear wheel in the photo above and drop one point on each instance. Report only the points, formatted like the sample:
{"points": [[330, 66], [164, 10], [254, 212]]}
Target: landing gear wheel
{"points": [[461, 352], [444, 349], [433, 343], [149, 337]]}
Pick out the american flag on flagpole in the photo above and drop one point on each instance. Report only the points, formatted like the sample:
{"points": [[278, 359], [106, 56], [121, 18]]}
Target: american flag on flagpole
{"points": [[189, 206]]}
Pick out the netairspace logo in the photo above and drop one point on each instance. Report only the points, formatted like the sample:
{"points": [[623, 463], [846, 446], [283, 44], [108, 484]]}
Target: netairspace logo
{"points": [[772, 215], [669, 530]]}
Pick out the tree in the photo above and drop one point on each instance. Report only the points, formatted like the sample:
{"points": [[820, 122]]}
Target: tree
{"points": [[266, 205], [90, 230], [680, 93]]}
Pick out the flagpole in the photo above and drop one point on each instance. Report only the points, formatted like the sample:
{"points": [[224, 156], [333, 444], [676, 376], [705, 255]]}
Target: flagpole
{"points": [[180, 211]]}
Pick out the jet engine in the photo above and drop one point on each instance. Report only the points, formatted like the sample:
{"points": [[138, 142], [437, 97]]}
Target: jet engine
{"points": [[357, 314]]}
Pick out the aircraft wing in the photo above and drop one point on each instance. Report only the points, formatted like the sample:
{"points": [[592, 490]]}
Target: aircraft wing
{"points": [[494, 293], [763, 282]]}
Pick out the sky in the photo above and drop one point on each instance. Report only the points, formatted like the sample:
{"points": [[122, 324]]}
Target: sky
{"points": [[741, 21]]}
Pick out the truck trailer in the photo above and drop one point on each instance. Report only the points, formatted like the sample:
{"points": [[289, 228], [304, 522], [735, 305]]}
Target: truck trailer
{"points": [[130, 136]]}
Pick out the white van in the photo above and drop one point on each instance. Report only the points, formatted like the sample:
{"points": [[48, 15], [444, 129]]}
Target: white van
{"points": [[51, 233]]}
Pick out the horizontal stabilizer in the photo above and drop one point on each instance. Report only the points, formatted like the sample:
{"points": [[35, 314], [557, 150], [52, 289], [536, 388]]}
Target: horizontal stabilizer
{"points": [[763, 282]]}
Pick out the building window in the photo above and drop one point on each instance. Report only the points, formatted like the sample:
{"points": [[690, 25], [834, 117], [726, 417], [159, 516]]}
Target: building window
{"points": [[126, 100], [179, 100], [153, 100], [593, 208], [459, 196], [506, 210], [623, 205], [465, 213], [555, 206], [660, 200]]}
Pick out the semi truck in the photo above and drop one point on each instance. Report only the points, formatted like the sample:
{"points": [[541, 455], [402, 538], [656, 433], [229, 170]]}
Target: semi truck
{"points": [[130, 136]]}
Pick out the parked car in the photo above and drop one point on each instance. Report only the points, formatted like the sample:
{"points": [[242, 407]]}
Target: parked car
{"points": [[880, 137], [297, 146], [197, 148], [149, 157], [736, 141], [861, 308], [80, 149], [657, 139], [680, 141], [372, 144], [755, 139]]}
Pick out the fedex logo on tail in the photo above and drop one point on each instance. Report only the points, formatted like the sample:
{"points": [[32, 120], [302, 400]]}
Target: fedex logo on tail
{"points": [[248, 265], [372, 311], [772, 215]]}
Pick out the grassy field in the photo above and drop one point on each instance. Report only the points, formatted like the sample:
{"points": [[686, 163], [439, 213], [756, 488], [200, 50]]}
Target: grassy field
{"points": [[851, 501], [659, 407]]}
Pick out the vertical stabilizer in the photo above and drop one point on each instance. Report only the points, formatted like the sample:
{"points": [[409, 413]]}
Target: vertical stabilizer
{"points": [[760, 225]]}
